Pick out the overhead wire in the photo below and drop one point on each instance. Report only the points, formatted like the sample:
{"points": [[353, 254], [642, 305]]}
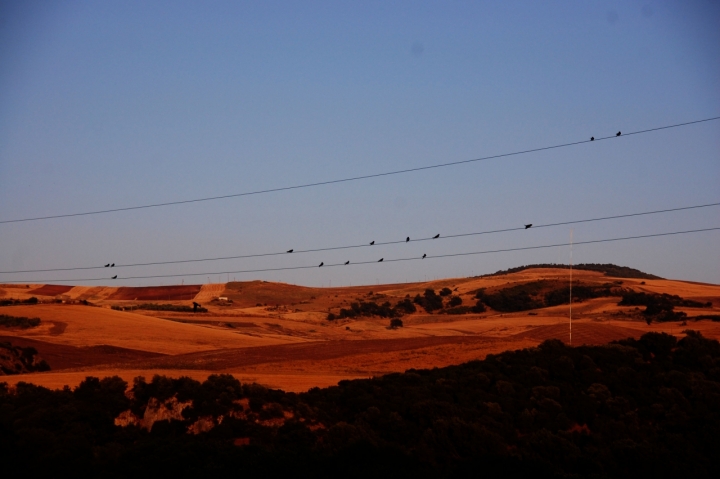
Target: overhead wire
{"points": [[354, 178], [333, 248], [414, 258]]}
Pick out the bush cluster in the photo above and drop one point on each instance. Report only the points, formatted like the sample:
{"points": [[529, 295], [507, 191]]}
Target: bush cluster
{"points": [[371, 308], [580, 293], [18, 322], [515, 298], [534, 295], [660, 307], [19, 360], [160, 307], [608, 269], [12, 302], [429, 301], [635, 408]]}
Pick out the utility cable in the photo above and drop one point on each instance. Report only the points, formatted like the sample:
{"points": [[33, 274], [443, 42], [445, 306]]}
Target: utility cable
{"points": [[354, 178], [332, 248], [415, 258]]}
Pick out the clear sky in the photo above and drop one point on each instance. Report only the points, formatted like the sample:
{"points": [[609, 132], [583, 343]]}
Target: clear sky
{"points": [[114, 104]]}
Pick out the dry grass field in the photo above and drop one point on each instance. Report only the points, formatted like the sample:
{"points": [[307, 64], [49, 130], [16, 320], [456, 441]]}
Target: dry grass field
{"points": [[278, 334]]}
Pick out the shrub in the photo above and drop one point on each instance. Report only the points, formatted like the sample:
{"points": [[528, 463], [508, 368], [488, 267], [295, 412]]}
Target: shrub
{"points": [[580, 293], [18, 322], [659, 307], [429, 301], [458, 310], [18, 360], [479, 307], [161, 307], [406, 306], [455, 301], [396, 323], [445, 292], [370, 308], [11, 302], [510, 300]]}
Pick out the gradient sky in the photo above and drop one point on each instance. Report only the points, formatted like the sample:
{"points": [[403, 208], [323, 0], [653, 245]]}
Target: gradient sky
{"points": [[113, 104]]}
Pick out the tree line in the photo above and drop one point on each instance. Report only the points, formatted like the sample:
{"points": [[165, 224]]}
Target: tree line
{"points": [[634, 408]]}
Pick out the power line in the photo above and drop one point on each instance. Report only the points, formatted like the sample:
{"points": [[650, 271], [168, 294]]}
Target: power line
{"points": [[332, 248], [450, 255], [354, 178]]}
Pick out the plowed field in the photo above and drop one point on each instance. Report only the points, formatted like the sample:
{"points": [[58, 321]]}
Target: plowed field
{"points": [[279, 334], [51, 290], [156, 293], [582, 333], [60, 356]]}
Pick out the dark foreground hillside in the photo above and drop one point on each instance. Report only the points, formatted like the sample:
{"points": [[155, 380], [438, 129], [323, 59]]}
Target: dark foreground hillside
{"points": [[631, 409]]}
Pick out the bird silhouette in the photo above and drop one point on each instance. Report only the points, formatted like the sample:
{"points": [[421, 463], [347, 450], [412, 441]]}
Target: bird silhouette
{"points": [[618, 133], [424, 256], [289, 251], [114, 277], [407, 239], [107, 265], [112, 265], [436, 236], [372, 243], [322, 263], [380, 260], [592, 138], [347, 262], [528, 226]]}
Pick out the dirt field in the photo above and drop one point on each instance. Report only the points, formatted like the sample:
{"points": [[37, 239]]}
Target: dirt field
{"points": [[156, 293], [50, 290], [278, 334]]}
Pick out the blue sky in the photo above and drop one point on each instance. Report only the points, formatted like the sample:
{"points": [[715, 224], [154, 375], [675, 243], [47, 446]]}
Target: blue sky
{"points": [[114, 104]]}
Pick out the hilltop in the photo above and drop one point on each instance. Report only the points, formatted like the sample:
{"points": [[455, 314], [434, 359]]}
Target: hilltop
{"points": [[608, 269]]}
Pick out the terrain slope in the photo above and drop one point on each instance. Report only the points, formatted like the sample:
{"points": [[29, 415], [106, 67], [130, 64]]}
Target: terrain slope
{"points": [[279, 334]]}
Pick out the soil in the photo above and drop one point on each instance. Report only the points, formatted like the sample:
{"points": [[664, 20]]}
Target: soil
{"points": [[50, 290], [278, 334]]}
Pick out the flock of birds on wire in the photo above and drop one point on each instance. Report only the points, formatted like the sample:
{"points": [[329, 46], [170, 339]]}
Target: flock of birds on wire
{"points": [[407, 240], [322, 263]]}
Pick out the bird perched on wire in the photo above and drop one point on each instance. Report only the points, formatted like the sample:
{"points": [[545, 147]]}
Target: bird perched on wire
{"points": [[372, 243], [322, 263], [618, 133], [407, 239], [380, 260], [592, 138], [114, 277], [424, 256], [436, 236], [289, 251], [528, 226], [112, 265], [107, 265], [347, 262]]}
